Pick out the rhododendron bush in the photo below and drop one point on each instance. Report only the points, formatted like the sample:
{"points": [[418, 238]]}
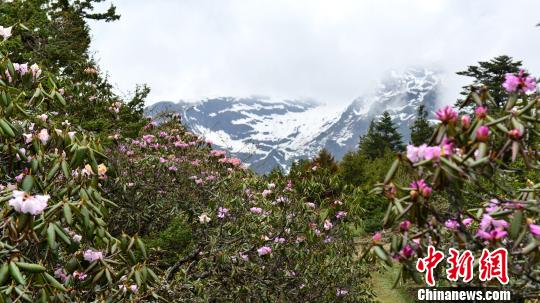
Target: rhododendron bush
{"points": [[246, 236], [54, 240], [473, 187]]}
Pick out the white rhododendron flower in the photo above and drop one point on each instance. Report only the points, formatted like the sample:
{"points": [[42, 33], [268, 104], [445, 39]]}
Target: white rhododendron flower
{"points": [[203, 218], [92, 255], [5, 32], [24, 203], [43, 136]]}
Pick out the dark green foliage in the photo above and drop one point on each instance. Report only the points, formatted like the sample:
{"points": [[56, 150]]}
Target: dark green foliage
{"points": [[173, 241], [325, 160], [490, 73], [352, 168], [375, 208], [55, 34], [381, 137], [421, 130]]}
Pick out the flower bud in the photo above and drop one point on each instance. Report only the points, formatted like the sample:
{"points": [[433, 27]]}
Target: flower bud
{"points": [[514, 134], [482, 133], [465, 121]]}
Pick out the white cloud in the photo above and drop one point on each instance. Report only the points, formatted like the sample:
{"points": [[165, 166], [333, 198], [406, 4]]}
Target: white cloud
{"points": [[332, 51]]}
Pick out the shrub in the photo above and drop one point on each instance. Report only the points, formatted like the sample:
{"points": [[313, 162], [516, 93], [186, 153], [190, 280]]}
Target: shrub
{"points": [[473, 162], [274, 239], [55, 244]]}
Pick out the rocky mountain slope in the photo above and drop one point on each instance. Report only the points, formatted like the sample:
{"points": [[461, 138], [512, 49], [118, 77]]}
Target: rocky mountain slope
{"points": [[266, 133]]}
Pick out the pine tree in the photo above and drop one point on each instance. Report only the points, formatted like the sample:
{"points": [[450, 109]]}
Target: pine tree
{"points": [[421, 130], [352, 168], [325, 160], [492, 74], [381, 136]]}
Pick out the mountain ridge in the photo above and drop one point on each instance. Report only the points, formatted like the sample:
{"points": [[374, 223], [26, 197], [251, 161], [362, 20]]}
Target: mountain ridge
{"points": [[266, 133]]}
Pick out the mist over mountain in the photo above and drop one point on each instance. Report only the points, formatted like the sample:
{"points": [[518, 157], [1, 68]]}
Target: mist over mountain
{"points": [[267, 133]]}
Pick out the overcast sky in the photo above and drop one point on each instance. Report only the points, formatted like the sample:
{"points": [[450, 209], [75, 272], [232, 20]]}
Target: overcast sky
{"points": [[332, 51]]}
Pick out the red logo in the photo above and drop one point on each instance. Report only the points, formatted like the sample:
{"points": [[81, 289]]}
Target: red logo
{"points": [[429, 263], [460, 265], [492, 265]]}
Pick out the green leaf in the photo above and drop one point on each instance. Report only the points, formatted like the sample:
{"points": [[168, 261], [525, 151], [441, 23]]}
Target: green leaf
{"points": [[515, 224], [16, 273], [68, 215], [4, 273], [29, 267], [51, 236], [27, 183], [54, 283], [391, 172], [6, 128]]}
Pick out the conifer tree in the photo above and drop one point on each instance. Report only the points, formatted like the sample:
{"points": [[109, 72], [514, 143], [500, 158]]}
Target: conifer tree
{"points": [[490, 73], [381, 136], [421, 130], [325, 160]]}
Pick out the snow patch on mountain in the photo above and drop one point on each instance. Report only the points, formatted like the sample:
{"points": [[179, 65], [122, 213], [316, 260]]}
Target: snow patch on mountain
{"points": [[267, 133]]}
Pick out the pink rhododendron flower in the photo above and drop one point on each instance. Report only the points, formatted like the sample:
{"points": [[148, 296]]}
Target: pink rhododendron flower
{"points": [[19, 177], [79, 275], [279, 240], [341, 214], [405, 225], [60, 273], [432, 153], [264, 250], [256, 210], [235, 161], [222, 212], [377, 237], [24, 203], [217, 153], [495, 234], [488, 222], [535, 229], [514, 134], [482, 133], [421, 187], [310, 204], [519, 83], [92, 255], [406, 252], [480, 112], [413, 153], [447, 148], [266, 192], [451, 224], [493, 206], [467, 221], [465, 121], [328, 225], [446, 115]]}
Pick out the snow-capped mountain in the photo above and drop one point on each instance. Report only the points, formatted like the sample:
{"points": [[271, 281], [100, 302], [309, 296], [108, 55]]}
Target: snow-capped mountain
{"points": [[266, 133]]}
